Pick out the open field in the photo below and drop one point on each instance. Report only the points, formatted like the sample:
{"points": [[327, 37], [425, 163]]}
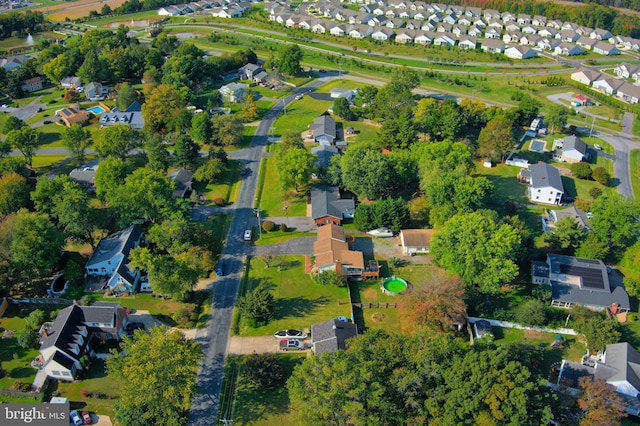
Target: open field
{"points": [[76, 9], [273, 197]]}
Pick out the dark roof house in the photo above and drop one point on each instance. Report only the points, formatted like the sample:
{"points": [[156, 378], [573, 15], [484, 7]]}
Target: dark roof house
{"points": [[324, 130], [324, 154], [183, 180], [330, 336], [328, 207]]}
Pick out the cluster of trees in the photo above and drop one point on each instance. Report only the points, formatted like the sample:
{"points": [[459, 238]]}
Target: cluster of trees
{"points": [[15, 24], [583, 170], [390, 213], [295, 164]]}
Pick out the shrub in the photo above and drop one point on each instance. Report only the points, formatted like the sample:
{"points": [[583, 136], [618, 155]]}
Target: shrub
{"points": [[35, 319], [182, 316], [27, 338], [21, 386], [84, 393], [331, 278], [542, 292], [601, 175], [595, 192], [530, 313], [219, 201], [85, 300], [581, 170], [263, 371], [268, 225], [283, 227]]}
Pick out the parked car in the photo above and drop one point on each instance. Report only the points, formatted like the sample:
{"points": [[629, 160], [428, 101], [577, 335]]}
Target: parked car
{"points": [[75, 418], [298, 97], [247, 235], [220, 269], [598, 147], [290, 334], [341, 318], [86, 416], [46, 122], [291, 345]]}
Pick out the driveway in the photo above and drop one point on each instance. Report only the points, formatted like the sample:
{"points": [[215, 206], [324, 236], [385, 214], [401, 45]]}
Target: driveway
{"points": [[621, 169], [252, 345], [25, 112], [144, 317], [299, 223]]}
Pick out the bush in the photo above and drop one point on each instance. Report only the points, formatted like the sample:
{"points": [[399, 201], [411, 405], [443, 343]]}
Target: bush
{"points": [[331, 278], [182, 316], [601, 175], [219, 201], [531, 313], [283, 227], [263, 371], [27, 338], [21, 386], [595, 192], [542, 292], [35, 319], [268, 225], [581, 170], [85, 300]]}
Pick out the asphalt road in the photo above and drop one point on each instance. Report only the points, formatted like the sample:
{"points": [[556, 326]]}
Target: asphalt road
{"points": [[205, 405]]}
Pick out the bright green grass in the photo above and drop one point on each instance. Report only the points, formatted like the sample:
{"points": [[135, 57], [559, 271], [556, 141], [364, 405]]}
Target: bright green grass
{"points": [[299, 301], [634, 163], [580, 188], [126, 19], [276, 237], [606, 147], [225, 188], [47, 160], [273, 198], [51, 135], [299, 115]]}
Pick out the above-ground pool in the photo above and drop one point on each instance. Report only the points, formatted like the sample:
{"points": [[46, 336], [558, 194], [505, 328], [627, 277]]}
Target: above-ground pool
{"points": [[58, 285], [394, 286], [96, 110]]}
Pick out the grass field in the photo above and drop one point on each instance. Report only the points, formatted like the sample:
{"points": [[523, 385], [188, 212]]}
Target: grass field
{"points": [[273, 197], [276, 237], [226, 188], [77, 9], [634, 162]]}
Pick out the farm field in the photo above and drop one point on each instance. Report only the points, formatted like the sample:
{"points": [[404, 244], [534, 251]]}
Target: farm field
{"points": [[77, 9]]}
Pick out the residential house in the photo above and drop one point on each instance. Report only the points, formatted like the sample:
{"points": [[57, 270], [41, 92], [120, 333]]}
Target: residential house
{"points": [[405, 36], [529, 29], [332, 253], [475, 31], [482, 328], [608, 85], [600, 34], [549, 44], [324, 153], [570, 26], [111, 259], [467, 42], [606, 49], [31, 85], [248, 71], [444, 28], [544, 183], [319, 27], [554, 216], [507, 17], [330, 336], [539, 21], [382, 34], [11, 63], [233, 92], [71, 82], [85, 175], [626, 70], [416, 240], [492, 45], [425, 38], [169, 11], [72, 115], [584, 31], [324, 130], [570, 149], [66, 340], [492, 33], [585, 76], [556, 24], [183, 180], [394, 23], [338, 30], [337, 92], [327, 206], [132, 117], [586, 42], [547, 32], [577, 281], [95, 91], [359, 31], [512, 27], [530, 40], [443, 39], [520, 52], [568, 36], [568, 49], [628, 93], [512, 37], [490, 14]]}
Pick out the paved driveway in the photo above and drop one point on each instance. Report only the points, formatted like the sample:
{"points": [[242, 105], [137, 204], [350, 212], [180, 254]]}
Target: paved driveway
{"points": [[144, 317], [252, 345]]}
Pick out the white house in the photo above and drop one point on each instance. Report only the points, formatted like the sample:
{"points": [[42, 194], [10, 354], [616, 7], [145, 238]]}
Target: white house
{"points": [[544, 183], [382, 34], [608, 85], [606, 49], [492, 45], [568, 49], [570, 149], [467, 42], [629, 93], [585, 76], [416, 240], [233, 92], [520, 52]]}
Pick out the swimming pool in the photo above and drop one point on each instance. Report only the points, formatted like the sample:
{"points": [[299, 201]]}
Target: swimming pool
{"points": [[96, 110]]}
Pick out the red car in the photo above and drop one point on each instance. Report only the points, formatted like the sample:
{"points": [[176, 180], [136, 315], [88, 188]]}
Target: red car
{"points": [[86, 416]]}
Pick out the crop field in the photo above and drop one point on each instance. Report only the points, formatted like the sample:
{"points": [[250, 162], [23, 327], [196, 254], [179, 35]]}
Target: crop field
{"points": [[77, 9]]}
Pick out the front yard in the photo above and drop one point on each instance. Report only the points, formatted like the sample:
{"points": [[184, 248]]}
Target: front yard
{"points": [[273, 198]]}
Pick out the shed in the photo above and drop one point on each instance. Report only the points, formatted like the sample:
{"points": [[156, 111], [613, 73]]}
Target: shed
{"points": [[482, 328]]}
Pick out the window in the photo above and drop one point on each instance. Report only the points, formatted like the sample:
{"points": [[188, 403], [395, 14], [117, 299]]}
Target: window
{"points": [[66, 373], [56, 373]]}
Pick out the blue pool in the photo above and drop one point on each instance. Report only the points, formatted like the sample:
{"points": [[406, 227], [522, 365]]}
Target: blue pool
{"points": [[96, 110]]}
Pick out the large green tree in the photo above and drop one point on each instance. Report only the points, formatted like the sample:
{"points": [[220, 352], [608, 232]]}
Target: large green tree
{"points": [[258, 305], [201, 128], [26, 140], [566, 236], [76, 139], [117, 141], [109, 177], [14, 193], [631, 265], [126, 96], [615, 219], [295, 166], [557, 116], [186, 152], [497, 138], [479, 249], [227, 130], [366, 173], [159, 395], [289, 60]]}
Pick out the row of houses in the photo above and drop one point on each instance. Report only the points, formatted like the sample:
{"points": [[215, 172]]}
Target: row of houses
{"points": [[218, 9], [609, 85]]}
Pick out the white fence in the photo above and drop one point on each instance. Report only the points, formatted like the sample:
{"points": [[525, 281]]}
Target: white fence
{"points": [[507, 324]]}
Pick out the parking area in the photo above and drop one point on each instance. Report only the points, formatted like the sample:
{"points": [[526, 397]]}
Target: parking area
{"points": [[144, 317]]}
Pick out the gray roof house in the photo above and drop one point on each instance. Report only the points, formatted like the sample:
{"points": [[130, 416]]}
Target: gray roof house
{"points": [[249, 71], [570, 149], [64, 341], [132, 117], [71, 82], [330, 336], [95, 91], [324, 154], [482, 328], [544, 183], [324, 130], [183, 180], [328, 207], [555, 216], [85, 175], [111, 258], [578, 281]]}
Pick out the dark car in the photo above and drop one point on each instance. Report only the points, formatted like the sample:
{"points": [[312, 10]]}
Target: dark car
{"points": [[133, 326], [220, 269], [46, 122], [244, 171], [322, 71]]}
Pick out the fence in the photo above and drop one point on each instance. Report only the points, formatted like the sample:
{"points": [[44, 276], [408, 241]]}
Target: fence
{"points": [[42, 300], [374, 305], [506, 324]]}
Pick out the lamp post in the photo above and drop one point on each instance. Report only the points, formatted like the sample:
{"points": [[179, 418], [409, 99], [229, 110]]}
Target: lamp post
{"points": [[286, 212], [257, 212]]}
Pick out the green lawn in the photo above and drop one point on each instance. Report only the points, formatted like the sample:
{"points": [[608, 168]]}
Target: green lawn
{"points": [[580, 188], [275, 237], [46, 161], [299, 300], [299, 115], [273, 198], [226, 188]]}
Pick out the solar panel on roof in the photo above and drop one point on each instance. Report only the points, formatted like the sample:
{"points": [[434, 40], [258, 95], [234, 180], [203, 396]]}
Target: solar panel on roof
{"points": [[591, 278], [590, 261]]}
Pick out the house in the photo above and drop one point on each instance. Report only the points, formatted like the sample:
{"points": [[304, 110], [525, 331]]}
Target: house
{"points": [[512, 37], [328, 207], [31, 85], [544, 183], [72, 115], [586, 43], [556, 24], [585, 76], [338, 30], [547, 32], [319, 27], [324, 130], [85, 175], [520, 52], [11, 63], [492, 33], [337, 92], [482, 328], [233, 92], [382, 34], [600, 34], [132, 117], [492, 45], [530, 40], [568, 49], [416, 240], [607, 85], [424, 38], [332, 253], [323, 154], [330, 336], [539, 21], [405, 36], [554, 216], [183, 180], [570, 149], [169, 11], [95, 91], [249, 71], [111, 257], [71, 82], [626, 70], [66, 340], [577, 281], [568, 36], [467, 42], [629, 93], [359, 31], [606, 49], [443, 39]]}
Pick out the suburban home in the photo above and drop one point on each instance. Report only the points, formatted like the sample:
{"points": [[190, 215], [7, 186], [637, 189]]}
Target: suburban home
{"points": [[444, 39], [332, 253], [11, 63], [169, 11], [600, 34], [359, 31], [606, 49], [467, 42], [492, 33], [324, 130], [382, 34], [586, 42], [328, 207], [618, 366], [556, 24], [110, 259], [31, 85], [570, 149], [405, 36], [554, 216], [249, 71], [585, 76], [568, 49], [330, 336], [626, 70], [416, 240], [132, 117], [629, 93], [85, 175], [578, 281], [323, 154], [544, 184], [424, 38], [338, 30], [608, 85], [183, 180], [72, 115], [547, 32], [492, 45], [95, 91], [65, 341], [319, 27], [520, 52], [71, 82], [233, 92], [568, 36], [539, 21]]}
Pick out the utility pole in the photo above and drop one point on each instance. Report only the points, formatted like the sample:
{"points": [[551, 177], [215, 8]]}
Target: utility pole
{"points": [[257, 211]]}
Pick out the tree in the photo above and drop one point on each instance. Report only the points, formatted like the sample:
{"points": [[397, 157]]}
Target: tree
{"points": [[187, 152], [35, 319], [615, 219], [76, 140], [162, 103], [598, 332], [26, 140], [201, 128], [157, 153], [36, 244], [530, 313], [117, 141], [249, 110], [342, 109], [153, 193], [390, 213], [173, 276], [92, 69], [592, 247], [227, 130], [438, 305], [289, 60], [478, 249], [109, 177], [366, 173], [73, 211], [581, 170], [398, 132], [566, 236], [126, 96], [14, 193], [599, 402], [557, 116], [601, 175], [528, 109], [210, 171], [497, 138], [27, 338], [12, 123], [331, 278], [295, 166], [290, 139], [257, 305], [263, 371], [631, 266], [160, 395], [173, 235]]}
